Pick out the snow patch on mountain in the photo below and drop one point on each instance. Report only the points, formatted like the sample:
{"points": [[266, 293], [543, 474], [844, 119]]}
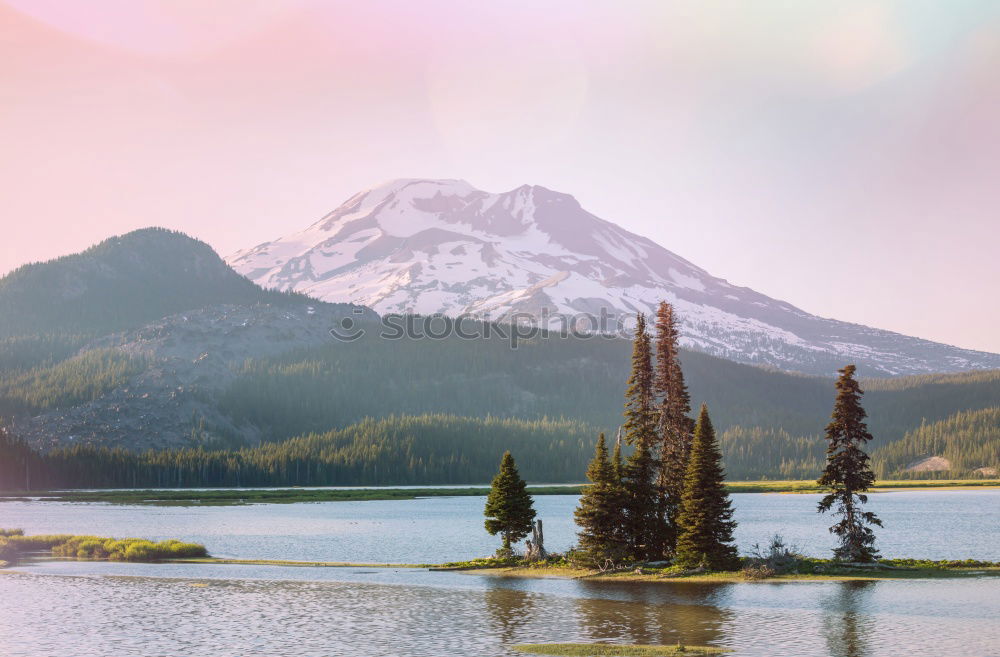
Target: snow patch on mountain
{"points": [[443, 246]]}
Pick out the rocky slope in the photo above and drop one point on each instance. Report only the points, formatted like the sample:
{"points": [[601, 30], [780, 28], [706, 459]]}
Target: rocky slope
{"points": [[189, 359]]}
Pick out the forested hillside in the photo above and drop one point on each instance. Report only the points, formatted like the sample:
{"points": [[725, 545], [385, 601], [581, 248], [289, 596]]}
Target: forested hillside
{"points": [[578, 378], [429, 449], [149, 341], [770, 422], [121, 283], [448, 449], [777, 413], [70, 382], [968, 442]]}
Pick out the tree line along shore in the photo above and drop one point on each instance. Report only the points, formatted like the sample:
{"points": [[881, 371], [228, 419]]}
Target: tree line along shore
{"points": [[239, 496], [435, 449]]}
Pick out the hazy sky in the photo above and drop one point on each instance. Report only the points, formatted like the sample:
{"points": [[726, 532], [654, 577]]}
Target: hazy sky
{"points": [[843, 156]]}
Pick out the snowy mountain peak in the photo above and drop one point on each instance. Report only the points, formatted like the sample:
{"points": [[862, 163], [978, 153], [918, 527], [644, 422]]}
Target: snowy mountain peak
{"points": [[443, 246]]}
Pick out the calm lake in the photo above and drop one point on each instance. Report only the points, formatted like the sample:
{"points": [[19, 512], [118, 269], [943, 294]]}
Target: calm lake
{"points": [[103, 609]]}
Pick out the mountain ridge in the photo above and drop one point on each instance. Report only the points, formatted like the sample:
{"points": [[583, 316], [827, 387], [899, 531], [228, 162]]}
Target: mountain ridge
{"points": [[224, 374], [123, 282], [443, 246]]}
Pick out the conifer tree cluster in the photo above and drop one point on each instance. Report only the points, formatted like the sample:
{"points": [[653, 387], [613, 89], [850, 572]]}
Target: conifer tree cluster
{"points": [[669, 492]]}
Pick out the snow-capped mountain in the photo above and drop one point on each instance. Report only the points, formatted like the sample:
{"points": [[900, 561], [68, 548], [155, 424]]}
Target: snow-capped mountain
{"points": [[442, 246]]}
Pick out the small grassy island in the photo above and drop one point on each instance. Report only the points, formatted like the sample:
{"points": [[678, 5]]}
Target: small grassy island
{"points": [[776, 566], [788, 567], [609, 649], [14, 544]]}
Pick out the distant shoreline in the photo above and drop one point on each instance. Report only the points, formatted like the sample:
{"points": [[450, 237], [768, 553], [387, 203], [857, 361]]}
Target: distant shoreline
{"points": [[826, 571], [833, 574], [239, 496], [829, 571]]}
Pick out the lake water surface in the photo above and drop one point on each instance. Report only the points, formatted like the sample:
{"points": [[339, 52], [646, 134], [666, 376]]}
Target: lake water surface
{"points": [[102, 609]]}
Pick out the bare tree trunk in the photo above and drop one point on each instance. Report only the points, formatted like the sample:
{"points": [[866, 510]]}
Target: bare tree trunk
{"points": [[536, 546]]}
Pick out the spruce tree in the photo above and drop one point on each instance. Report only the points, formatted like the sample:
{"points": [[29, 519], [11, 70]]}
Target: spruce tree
{"points": [[848, 474], [640, 468], [705, 520], [599, 514], [675, 427], [509, 511]]}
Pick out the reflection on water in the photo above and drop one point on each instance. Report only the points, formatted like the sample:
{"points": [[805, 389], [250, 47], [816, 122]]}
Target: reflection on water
{"points": [[845, 625], [642, 614], [200, 613], [509, 610], [120, 609]]}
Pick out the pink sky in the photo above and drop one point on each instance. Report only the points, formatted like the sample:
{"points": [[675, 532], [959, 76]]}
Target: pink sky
{"points": [[840, 156]]}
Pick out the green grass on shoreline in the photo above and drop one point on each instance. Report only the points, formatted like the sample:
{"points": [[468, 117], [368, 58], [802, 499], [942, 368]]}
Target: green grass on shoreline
{"points": [[14, 545], [809, 570], [229, 496], [804, 569], [615, 649]]}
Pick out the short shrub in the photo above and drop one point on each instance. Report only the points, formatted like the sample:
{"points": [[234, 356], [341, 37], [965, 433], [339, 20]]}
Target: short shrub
{"points": [[757, 572], [777, 557], [174, 549], [140, 551], [91, 549]]}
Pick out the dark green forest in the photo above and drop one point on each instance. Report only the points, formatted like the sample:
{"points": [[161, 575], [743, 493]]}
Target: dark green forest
{"points": [[969, 440], [70, 382], [448, 449], [427, 449]]}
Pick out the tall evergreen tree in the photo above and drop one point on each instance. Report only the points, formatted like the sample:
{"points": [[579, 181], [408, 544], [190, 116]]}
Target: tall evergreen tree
{"points": [[640, 432], [599, 514], [509, 510], [675, 427], [705, 520], [848, 474]]}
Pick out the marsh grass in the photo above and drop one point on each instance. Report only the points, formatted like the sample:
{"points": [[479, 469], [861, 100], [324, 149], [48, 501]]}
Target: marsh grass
{"points": [[13, 543]]}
